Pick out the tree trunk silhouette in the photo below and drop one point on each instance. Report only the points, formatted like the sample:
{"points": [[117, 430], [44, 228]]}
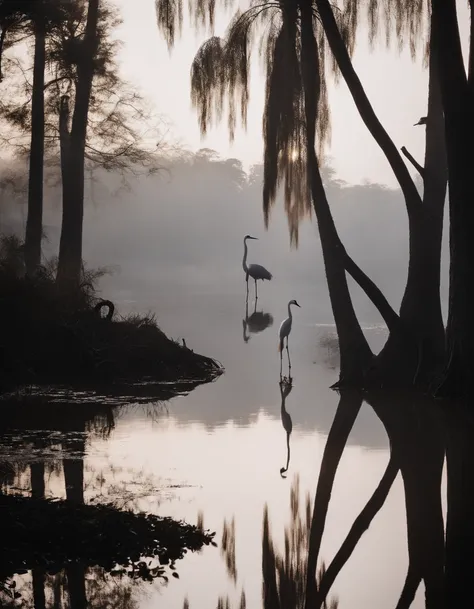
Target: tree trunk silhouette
{"points": [[420, 310], [459, 129], [346, 414], [37, 573], [355, 352], [38, 582], [459, 565], [414, 350], [37, 480], [76, 583], [416, 435], [74, 480], [70, 247], [470, 74], [73, 465], [34, 222]]}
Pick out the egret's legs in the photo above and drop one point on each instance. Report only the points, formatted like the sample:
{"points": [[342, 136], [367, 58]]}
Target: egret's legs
{"points": [[281, 363], [256, 293], [289, 360]]}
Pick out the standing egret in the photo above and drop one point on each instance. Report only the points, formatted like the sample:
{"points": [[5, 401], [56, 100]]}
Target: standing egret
{"points": [[284, 332], [256, 271]]}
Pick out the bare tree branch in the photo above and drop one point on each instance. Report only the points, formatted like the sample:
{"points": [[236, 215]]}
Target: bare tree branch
{"points": [[414, 162]]}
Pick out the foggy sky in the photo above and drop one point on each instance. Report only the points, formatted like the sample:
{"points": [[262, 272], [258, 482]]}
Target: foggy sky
{"points": [[396, 87]]}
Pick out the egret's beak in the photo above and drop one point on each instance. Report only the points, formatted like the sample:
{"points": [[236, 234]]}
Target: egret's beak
{"points": [[298, 305], [256, 238]]}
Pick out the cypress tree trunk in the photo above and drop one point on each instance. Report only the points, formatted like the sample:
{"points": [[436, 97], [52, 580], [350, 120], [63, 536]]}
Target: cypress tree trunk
{"points": [[70, 247], [34, 223], [355, 352], [420, 309], [459, 129], [414, 352], [459, 561]]}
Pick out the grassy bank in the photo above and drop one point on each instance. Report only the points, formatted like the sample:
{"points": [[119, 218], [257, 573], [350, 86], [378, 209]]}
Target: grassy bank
{"points": [[50, 337]]}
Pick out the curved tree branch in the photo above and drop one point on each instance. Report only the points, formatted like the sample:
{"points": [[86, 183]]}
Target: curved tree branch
{"points": [[412, 581], [361, 524], [344, 419], [374, 293], [338, 47], [414, 162]]}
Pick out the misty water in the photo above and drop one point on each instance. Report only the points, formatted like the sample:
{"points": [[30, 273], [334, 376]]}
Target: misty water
{"points": [[213, 456]]}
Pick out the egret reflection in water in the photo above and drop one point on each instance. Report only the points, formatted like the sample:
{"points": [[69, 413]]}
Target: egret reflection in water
{"points": [[285, 389], [255, 323]]}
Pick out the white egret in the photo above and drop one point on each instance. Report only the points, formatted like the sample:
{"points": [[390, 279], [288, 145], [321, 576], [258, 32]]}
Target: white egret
{"points": [[256, 271], [284, 332]]}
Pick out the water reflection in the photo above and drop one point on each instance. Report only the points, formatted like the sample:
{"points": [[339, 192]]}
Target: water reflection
{"points": [[257, 322], [420, 435], [285, 389], [75, 588], [285, 574], [72, 553], [44, 454], [228, 548], [329, 348]]}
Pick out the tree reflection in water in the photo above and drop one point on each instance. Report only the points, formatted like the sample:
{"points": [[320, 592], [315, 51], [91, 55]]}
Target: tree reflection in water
{"points": [[284, 574], [424, 434], [228, 548]]}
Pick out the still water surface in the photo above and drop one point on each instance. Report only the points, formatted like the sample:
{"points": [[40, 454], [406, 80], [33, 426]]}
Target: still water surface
{"points": [[215, 455]]}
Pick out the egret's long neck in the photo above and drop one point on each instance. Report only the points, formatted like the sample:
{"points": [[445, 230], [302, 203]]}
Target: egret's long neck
{"points": [[289, 310], [244, 261]]}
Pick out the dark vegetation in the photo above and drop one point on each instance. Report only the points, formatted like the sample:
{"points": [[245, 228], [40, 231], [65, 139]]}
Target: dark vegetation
{"points": [[75, 116], [53, 336], [75, 540], [50, 534]]}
